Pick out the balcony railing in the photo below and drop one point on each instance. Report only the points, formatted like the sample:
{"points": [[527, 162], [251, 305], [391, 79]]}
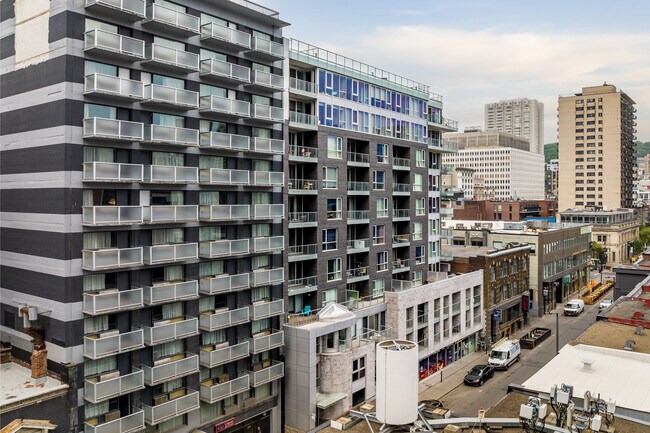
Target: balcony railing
{"points": [[268, 48], [301, 185], [171, 57], [224, 247], [401, 213], [224, 176], [178, 406], [111, 258], [224, 283], [220, 69], [170, 253], [170, 174], [401, 187], [358, 214], [225, 35], [170, 330], [358, 244], [401, 239], [359, 186], [125, 424], [360, 158], [171, 135], [106, 386], [266, 112], [399, 285], [266, 375], [112, 129], [401, 265], [122, 46], [357, 272], [401, 162], [133, 8], [171, 96], [263, 309], [112, 172], [264, 277], [111, 300], [111, 215], [224, 212], [111, 342], [267, 178], [303, 152], [217, 319], [171, 368], [303, 217], [220, 140], [267, 79], [113, 86], [302, 119], [221, 105], [170, 17], [268, 244], [303, 86], [212, 356], [303, 250], [267, 211], [268, 145], [170, 214], [166, 292], [212, 391], [266, 342]]}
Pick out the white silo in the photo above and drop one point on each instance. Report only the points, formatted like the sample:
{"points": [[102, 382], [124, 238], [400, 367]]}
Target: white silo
{"points": [[397, 382]]}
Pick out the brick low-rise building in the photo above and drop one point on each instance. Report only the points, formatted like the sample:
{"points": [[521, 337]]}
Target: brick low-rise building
{"points": [[505, 210]]}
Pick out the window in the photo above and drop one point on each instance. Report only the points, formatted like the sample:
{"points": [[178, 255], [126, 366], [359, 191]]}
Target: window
{"points": [[378, 287], [419, 158], [162, 80], [330, 177], [378, 235], [329, 295], [334, 269], [378, 180], [417, 278], [417, 231], [419, 206], [382, 207], [382, 153], [335, 147], [104, 111], [382, 260], [334, 208], [99, 68], [359, 368], [419, 254], [329, 239], [417, 182]]}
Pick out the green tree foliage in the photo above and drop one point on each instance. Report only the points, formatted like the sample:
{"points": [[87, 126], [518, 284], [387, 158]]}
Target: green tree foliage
{"points": [[638, 246], [644, 235], [598, 251], [642, 148], [550, 151]]}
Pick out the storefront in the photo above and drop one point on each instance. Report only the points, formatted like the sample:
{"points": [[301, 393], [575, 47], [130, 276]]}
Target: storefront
{"points": [[258, 424], [439, 360]]}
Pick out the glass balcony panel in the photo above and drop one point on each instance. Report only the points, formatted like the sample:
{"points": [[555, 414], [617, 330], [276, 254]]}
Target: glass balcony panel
{"points": [[97, 388], [268, 145], [161, 14], [359, 158], [359, 186], [111, 215], [358, 214], [107, 301], [170, 368], [268, 178], [171, 135], [97, 127], [112, 42], [225, 247], [267, 244], [172, 57], [266, 375], [112, 172], [170, 253], [262, 277], [298, 218], [114, 86], [162, 293], [269, 80], [212, 356], [266, 112], [219, 140], [263, 309], [401, 187], [222, 176], [212, 392], [169, 330], [302, 153], [170, 213], [268, 211], [170, 174], [303, 86], [303, 119], [172, 408], [269, 47], [213, 320], [224, 283], [263, 343], [225, 34], [220, 68], [132, 7], [111, 258], [111, 342], [171, 95], [223, 105], [224, 212], [125, 424]]}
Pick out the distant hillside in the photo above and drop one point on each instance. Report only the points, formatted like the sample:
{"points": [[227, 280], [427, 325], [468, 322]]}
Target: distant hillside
{"points": [[550, 151], [642, 148]]}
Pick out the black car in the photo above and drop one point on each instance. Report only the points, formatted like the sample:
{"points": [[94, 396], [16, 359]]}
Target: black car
{"points": [[479, 374]]}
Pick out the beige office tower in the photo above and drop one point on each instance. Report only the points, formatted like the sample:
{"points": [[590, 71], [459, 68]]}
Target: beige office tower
{"points": [[522, 117], [596, 133]]}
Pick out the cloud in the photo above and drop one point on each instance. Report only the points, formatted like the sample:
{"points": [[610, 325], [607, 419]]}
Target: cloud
{"points": [[471, 68]]}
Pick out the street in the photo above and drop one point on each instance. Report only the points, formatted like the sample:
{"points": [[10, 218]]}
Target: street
{"points": [[466, 400]]}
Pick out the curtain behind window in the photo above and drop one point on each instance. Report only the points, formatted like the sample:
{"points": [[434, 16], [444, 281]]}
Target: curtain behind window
{"points": [[94, 410], [98, 366], [94, 283], [99, 154], [261, 165], [259, 262], [212, 161], [206, 304], [208, 269], [261, 230], [261, 197], [207, 198], [213, 337], [212, 233], [172, 385], [95, 325], [174, 273], [167, 236], [172, 311], [260, 325], [97, 240], [171, 424], [260, 293], [165, 350], [167, 158]]}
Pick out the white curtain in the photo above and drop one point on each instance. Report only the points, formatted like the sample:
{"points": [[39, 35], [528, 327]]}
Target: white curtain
{"points": [[174, 273], [263, 391], [94, 325], [259, 262], [206, 304], [212, 233], [211, 373], [259, 293], [261, 165], [260, 325], [208, 269], [210, 412], [173, 384], [167, 158], [261, 197], [97, 366], [167, 236], [167, 349], [171, 424], [94, 410], [212, 161], [97, 240], [207, 198], [94, 283], [261, 132], [172, 311], [261, 230], [213, 337]]}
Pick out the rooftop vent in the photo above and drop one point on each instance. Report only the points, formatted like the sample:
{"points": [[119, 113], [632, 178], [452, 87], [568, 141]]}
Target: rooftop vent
{"points": [[637, 315], [638, 330], [586, 364], [629, 345]]}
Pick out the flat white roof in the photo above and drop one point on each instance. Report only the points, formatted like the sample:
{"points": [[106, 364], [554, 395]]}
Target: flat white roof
{"points": [[16, 384], [616, 374]]}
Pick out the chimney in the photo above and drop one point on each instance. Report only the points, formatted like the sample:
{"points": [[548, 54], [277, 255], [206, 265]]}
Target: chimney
{"points": [[39, 361]]}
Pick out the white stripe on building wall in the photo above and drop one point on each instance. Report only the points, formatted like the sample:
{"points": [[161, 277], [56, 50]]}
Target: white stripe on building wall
{"points": [[47, 179], [44, 265], [65, 312], [45, 222]]}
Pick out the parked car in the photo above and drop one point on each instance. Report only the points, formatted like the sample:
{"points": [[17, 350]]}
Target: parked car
{"points": [[505, 354], [574, 307], [478, 375], [605, 303]]}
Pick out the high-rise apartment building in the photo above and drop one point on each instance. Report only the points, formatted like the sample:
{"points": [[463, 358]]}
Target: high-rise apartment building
{"points": [[142, 207], [522, 117], [596, 132]]}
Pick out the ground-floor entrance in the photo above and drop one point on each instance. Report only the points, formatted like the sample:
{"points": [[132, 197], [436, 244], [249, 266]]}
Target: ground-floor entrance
{"points": [[442, 358]]}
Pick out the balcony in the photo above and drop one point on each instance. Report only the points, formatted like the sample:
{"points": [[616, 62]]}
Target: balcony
{"points": [[303, 90], [170, 253], [266, 375], [113, 46], [170, 174], [165, 57], [303, 219], [400, 285], [303, 252], [265, 277], [264, 49], [163, 331], [358, 188], [266, 113], [166, 19], [224, 212], [170, 368], [164, 95], [302, 121], [357, 274], [401, 240], [108, 85], [111, 301], [268, 145], [224, 176], [401, 163], [214, 390], [111, 384], [171, 135], [222, 318], [111, 258], [224, 72], [267, 211], [401, 214], [225, 37], [112, 129], [165, 292], [224, 283], [131, 10], [212, 356], [125, 424], [169, 214], [358, 159], [358, 217], [401, 189], [267, 178], [266, 82], [401, 265], [266, 308], [187, 401], [111, 215], [220, 140], [268, 244], [224, 247], [298, 286], [265, 341], [111, 342], [303, 154], [303, 186], [442, 145], [358, 246], [112, 172], [229, 108]]}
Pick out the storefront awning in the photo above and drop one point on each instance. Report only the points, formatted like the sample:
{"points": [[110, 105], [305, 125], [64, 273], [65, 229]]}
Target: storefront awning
{"points": [[323, 401]]}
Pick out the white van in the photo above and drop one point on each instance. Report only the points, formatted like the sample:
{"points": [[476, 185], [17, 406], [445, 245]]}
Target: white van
{"points": [[574, 307], [505, 354]]}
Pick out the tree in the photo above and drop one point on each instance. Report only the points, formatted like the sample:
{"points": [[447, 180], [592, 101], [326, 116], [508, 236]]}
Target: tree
{"points": [[638, 246], [644, 235], [598, 252]]}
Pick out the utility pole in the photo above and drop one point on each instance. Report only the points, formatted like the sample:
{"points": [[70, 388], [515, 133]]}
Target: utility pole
{"points": [[557, 333]]}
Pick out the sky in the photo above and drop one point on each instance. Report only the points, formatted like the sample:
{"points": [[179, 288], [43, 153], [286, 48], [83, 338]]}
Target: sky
{"points": [[476, 52]]}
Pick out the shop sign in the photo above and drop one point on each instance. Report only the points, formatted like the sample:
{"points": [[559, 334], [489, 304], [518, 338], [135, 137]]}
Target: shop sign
{"points": [[224, 425]]}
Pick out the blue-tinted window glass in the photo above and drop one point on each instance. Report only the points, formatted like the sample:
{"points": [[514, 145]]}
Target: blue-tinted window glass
{"points": [[321, 81], [321, 113]]}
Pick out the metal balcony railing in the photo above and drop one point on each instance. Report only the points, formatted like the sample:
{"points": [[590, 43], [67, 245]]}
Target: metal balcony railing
{"points": [[226, 70], [267, 211], [401, 187], [170, 253], [268, 244], [303, 185], [219, 104], [171, 57], [303, 152], [361, 158], [308, 120], [163, 331], [401, 213], [170, 213], [111, 215], [124, 424], [224, 176], [112, 172], [129, 7], [113, 43], [161, 14], [357, 272], [97, 388], [301, 250], [170, 174], [401, 162], [263, 277], [171, 368], [303, 282], [162, 293], [212, 356], [268, 145], [401, 265], [266, 112], [111, 258], [111, 342], [264, 309], [268, 47], [171, 135], [213, 320], [112, 129], [358, 186], [303, 217], [267, 178], [227, 35], [220, 140], [113, 86], [266, 375], [171, 95], [177, 406], [262, 343], [224, 283], [358, 244], [401, 239], [111, 300], [224, 247], [212, 392], [303, 86], [358, 214]]}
